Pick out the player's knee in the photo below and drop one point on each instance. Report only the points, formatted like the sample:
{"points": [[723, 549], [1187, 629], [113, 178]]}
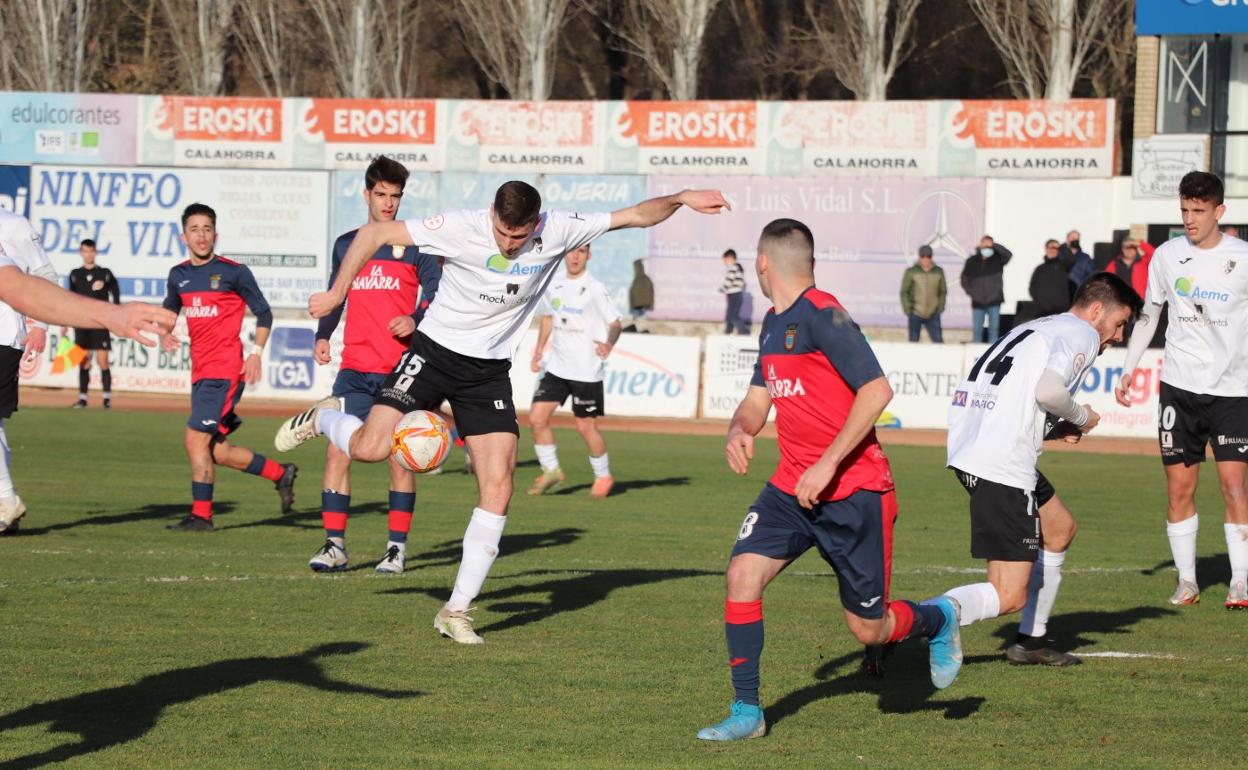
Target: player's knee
{"points": [[586, 426], [1233, 492], [743, 584], [1011, 598], [867, 632], [538, 421]]}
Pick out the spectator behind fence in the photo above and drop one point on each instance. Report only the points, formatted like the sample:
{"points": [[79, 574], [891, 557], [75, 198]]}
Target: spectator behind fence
{"points": [[923, 292], [732, 288], [1049, 282], [1079, 266], [982, 281], [641, 291], [1131, 265]]}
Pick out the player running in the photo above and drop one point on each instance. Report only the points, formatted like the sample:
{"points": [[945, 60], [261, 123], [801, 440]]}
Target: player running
{"points": [[833, 489], [1203, 277], [997, 423], [98, 282], [382, 312], [582, 324], [498, 262], [213, 291]]}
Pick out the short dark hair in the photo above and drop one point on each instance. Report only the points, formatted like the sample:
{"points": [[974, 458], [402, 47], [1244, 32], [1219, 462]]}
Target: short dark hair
{"points": [[1202, 186], [198, 208], [730, 253], [1052, 242], [385, 169], [516, 204], [87, 243], [789, 230], [1109, 290]]}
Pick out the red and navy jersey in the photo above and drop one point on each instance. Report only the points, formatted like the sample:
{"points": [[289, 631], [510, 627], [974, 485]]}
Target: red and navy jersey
{"points": [[388, 286], [812, 358], [214, 295]]}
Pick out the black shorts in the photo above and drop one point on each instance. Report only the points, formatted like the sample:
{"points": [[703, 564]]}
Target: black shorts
{"points": [[93, 339], [479, 389], [587, 400], [1187, 422], [10, 362], [1005, 520]]}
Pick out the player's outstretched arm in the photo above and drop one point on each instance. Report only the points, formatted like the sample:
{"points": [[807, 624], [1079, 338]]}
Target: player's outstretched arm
{"points": [[50, 303], [869, 403], [1141, 335], [747, 421], [651, 212], [368, 239]]}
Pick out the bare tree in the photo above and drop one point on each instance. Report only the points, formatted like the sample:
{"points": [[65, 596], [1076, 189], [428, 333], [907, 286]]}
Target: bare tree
{"points": [[271, 37], [863, 41], [1046, 44], [200, 33], [350, 43], [516, 41], [667, 36], [45, 44], [397, 63]]}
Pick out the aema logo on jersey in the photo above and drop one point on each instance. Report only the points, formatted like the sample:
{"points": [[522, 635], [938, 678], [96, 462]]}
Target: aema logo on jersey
{"points": [[290, 365], [497, 263], [1185, 286]]}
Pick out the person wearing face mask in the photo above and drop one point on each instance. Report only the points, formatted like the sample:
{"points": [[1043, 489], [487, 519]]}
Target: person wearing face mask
{"points": [[1079, 266], [983, 283]]}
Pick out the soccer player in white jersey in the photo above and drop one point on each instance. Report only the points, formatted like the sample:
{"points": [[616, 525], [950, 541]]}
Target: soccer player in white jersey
{"points": [[997, 422], [498, 263], [582, 324], [1203, 277]]}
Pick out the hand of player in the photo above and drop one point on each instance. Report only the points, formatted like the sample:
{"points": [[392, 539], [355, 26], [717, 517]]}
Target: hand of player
{"points": [[535, 364], [136, 320], [251, 369], [320, 352], [813, 481], [402, 326], [1122, 391], [36, 341], [169, 343], [740, 450], [603, 349], [705, 201], [323, 303], [1094, 419]]}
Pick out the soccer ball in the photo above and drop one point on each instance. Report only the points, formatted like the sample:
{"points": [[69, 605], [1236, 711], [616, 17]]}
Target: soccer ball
{"points": [[421, 441]]}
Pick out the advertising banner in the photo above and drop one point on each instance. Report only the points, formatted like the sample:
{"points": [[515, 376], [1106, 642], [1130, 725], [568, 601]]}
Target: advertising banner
{"points": [[647, 376], [726, 373], [923, 378], [350, 133], [275, 222], [215, 131], [683, 138], [867, 231], [67, 128], [1190, 17], [15, 189], [1021, 138], [853, 138], [1160, 161], [535, 137]]}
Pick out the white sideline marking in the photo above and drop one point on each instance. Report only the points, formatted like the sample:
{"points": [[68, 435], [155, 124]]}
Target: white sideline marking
{"points": [[1112, 654]]}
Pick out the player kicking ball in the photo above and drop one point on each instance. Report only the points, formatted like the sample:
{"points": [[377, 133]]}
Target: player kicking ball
{"points": [[998, 421], [213, 291], [582, 325], [833, 489]]}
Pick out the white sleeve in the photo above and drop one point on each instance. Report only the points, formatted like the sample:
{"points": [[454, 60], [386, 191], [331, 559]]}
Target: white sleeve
{"points": [[26, 250], [1062, 359], [5, 259], [440, 234], [1054, 398], [606, 306], [579, 229]]}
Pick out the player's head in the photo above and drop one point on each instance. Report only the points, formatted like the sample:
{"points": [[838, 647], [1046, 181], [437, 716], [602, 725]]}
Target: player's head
{"points": [[576, 260], [383, 188], [1108, 303], [786, 255], [515, 213], [730, 257], [199, 230], [86, 250], [1201, 206]]}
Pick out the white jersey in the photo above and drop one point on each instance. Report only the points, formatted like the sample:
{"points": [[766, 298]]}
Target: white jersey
{"points": [[485, 299], [996, 427], [20, 247], [1207, 334], [582, 313]]}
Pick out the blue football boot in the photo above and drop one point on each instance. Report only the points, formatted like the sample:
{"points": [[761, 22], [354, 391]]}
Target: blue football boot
{"points": [[745, 721], [945, 648]]}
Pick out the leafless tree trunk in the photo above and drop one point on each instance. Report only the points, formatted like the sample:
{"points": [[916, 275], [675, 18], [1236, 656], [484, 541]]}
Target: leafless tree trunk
{"points": [[271, 37], [863, 41], [1046, 44], [44, 44], [667, 35], [517, 41], [201, 30], [397, 62], [350, 29]]}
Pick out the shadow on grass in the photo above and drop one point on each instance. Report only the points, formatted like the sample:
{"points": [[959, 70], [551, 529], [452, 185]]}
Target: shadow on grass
{"points": [[622, 487], [1074, 630], [308, 519], [448, 553], [578, 590], [118, 715], [1210, 570], [150, 512]]}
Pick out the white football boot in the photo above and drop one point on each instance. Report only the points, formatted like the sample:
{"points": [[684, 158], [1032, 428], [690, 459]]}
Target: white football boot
{"points": [[392, 562], [302, 427], [457, 625], [9, 514], [331, 558]]}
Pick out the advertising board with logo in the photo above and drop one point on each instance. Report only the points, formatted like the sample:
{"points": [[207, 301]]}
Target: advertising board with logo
{"points": [[1190, 17], [726, 373], [1021, 138], [1160, 161], [867, 231], [540, 137], [215, 131], [350, 133], [275, 222], [15, 189], [67, 128], [704, 137], [852, 138]]}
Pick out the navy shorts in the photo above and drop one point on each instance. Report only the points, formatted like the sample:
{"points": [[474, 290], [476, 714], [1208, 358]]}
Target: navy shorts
{"points": [[854, 536], [212, 406], [358, 390]]}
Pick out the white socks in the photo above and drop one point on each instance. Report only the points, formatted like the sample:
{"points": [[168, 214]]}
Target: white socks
{"points": [[979, 602], [338, 428], [7, 493], [1237, 549], [1183, 546], [481, 538], [601, 466], [1046, 576], [547, 457]]}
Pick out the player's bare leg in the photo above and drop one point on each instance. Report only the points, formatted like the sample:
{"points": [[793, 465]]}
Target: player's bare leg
{"points": [[1182, 524], [203, 475], [335, 502], [1058, 527], [598, 460], [544, 445], [1233, 479], [494, 458]]}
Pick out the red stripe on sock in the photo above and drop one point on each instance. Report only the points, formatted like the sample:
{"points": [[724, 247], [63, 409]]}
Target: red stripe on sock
{"points": [[740, 613], [271, 470], [334, 520], [201, 508], [903, 615], [400, 521]]}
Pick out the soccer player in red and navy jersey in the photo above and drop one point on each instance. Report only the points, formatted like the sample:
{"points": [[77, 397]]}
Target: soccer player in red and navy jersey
{"points": [[384, 305], [214, 292], [833, 489]]}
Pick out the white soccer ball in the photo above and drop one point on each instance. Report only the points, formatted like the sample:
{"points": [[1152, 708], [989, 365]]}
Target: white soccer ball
{"points": [[421, 441]]}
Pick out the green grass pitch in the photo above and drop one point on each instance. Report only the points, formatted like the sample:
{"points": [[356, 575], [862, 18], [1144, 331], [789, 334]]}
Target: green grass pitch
{"points": [[127, 646]]}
